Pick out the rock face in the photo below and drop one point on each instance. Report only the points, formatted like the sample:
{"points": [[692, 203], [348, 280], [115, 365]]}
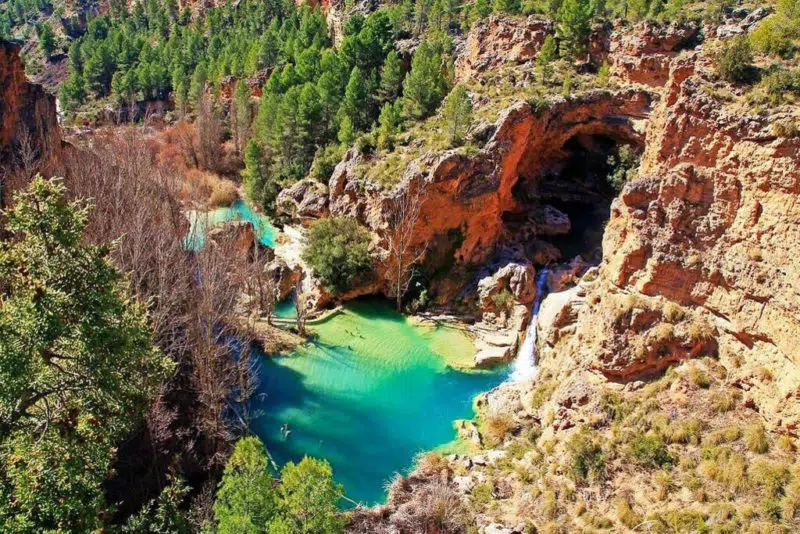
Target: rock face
{"points": [[643, 54], [305, 200], [497, 40], [29, 132], [465, 196]]}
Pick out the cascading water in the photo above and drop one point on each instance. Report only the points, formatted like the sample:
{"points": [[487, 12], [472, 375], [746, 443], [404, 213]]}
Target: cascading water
{"points": [[525, 365]]}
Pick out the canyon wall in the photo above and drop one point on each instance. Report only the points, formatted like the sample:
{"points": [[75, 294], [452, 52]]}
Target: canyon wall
{"points": [[29, 132]]}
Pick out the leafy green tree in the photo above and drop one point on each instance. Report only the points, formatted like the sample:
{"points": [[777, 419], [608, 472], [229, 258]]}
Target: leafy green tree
{"points": [[309, 497], [457, 113], [425, 86], [78, 367], [347, 132], [573, 26], [247, 499], [735, 62], [259, 184], [506, 6], [338, 251]]}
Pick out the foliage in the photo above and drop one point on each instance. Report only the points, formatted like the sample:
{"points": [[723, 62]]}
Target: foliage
{"points": [[624, 167], [47, 38], [247, 498], [735, 62], [309, 497], [776, 34], [426, 85], [544, 60], [572, 26], [389, 123], [650, 451], [163, 515], [77, 367], [338, 251], [588, 457], [457, 111]]}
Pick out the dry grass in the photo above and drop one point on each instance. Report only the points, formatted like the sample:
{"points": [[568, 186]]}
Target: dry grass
{"points": [[223, 193], [495, 428], [755, 438]]}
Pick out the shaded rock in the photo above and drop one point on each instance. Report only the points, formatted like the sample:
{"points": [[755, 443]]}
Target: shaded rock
{"points": [[551, 221], [304, 200], [517, 279]]}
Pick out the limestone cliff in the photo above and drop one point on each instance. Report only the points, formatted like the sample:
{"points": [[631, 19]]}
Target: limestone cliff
{"points": [[29, 132]]}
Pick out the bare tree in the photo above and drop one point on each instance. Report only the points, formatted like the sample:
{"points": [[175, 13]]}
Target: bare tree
{"points": [[301, 305], [209, 135], [403, 252]]}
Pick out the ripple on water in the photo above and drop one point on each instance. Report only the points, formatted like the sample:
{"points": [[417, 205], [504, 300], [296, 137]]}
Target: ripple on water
{"points": [[369, 393]]}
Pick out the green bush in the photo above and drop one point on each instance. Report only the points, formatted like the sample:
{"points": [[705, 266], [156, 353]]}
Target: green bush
{"points": [[338, 251], [588, 457], [650, 451], [735, 62]]}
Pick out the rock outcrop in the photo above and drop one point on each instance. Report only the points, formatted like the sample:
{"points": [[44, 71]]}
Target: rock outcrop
{"points": [[29, 132], [497, 40], [642, 54]]}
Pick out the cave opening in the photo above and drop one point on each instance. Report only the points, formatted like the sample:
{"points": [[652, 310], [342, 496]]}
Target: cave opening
{"points": [[562, 211]]}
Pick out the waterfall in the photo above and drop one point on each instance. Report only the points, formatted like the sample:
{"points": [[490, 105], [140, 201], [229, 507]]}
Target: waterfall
{"points": [[524, 367]]}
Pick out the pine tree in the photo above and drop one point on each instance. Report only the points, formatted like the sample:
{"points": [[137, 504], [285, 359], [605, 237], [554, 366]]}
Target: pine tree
{"points": [[573, 26], [355, 103], [425, 86], [391, 78], [47, 38], [388, 125], [73, 92], [545, 59], [241, 115], [197, 85], [458, 114], [347, 133]]}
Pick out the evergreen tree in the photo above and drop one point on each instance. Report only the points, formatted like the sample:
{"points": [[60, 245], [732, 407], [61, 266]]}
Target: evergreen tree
{"points": [[388, 125], [573, 26], [425, 86], [545, 58], [355, 103], [391, 78], [247, 499], [241, 115], [47, 38], [457, 112], [309, 497], [197, 85], [506, 6], [347, 133], [72, 92], [78, 367]]}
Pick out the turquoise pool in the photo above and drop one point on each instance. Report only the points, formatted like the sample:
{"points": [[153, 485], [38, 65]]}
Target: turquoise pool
{"points": [[201, 221], [368, 394]]}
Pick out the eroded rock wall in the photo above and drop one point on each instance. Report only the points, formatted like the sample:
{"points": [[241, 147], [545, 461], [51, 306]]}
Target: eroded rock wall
{"points": [[29, 132]]}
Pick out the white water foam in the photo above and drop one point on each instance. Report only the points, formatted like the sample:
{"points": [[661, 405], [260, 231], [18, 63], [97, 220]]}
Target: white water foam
{"points": [[524, 367]]}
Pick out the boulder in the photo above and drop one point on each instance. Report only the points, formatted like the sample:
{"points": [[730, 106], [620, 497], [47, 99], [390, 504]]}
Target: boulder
{"points": [[516, 278]]}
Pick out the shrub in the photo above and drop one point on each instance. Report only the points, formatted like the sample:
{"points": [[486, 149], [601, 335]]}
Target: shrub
{"points": [[624, 166], [771, 476], [503, 300], [698, 377], [778, 86], [588, 457], [650, 451], [338, 251], [496, 427], [722, 401], [224, 193], [542, 393], [735, 62], [755, 438], [626, 515]]}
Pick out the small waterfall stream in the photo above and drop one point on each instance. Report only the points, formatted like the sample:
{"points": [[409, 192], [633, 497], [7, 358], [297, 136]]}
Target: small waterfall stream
{"points": [[524, 367]]}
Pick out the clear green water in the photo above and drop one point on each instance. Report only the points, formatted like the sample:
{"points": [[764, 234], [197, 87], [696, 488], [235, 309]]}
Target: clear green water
{"points": [[368, 394], [201, 221]]}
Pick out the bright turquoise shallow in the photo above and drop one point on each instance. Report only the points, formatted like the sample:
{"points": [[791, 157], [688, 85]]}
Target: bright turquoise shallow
{"points": [[201, 221], [368, 394]]}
